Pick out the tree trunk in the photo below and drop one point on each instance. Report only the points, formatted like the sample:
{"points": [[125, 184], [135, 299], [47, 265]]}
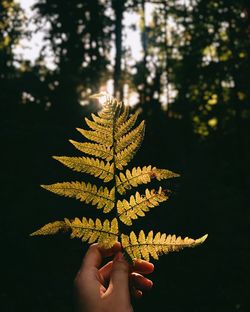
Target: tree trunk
{"points": [[118, 7]]}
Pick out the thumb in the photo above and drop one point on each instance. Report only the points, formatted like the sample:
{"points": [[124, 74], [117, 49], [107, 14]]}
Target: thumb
{"points": [[119, 277]]}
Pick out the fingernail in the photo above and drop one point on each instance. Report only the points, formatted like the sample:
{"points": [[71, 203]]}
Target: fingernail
{"points": [[119, 256], [151, 283]]}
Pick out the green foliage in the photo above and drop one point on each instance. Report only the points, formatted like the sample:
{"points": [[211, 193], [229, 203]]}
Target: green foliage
{"points": [[116, 139]]}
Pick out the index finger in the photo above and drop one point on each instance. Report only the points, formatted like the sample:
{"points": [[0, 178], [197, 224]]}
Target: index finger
{"points": [[95, 255]]}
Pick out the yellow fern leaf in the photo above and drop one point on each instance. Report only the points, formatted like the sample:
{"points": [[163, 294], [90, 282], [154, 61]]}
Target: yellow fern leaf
{"points": [[114, 141], [132, 136], [126, 126], [139, 176], [88, 193], [161, 174], [123, 116], [97, 136], [101, 121], [51, 228], [138, 205], [111, 108], [94, 149], [127, 154], [105, 234], [92, 166], [107, 130], [144, 247]]}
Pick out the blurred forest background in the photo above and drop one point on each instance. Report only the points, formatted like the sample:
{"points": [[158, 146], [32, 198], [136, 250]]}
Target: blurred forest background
{"points": [[191, 81]]}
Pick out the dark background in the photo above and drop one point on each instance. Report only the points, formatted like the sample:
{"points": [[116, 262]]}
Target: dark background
{"points": [[202, 133]]}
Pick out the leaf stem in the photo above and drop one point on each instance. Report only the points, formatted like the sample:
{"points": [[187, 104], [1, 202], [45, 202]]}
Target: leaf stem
{"points": [[115, 170]]}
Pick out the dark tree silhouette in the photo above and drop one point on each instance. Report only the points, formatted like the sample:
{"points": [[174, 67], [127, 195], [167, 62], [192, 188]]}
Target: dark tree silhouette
{"points": [[11, 22], [80, 35]]}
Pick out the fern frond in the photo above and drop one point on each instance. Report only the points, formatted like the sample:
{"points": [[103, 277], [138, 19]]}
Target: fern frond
{"points": [[102, 121], [88, 165], [162, 174], [100, 128], [97, 136], [126, 126], [105, 234], [138, 205], [123, 116], [141, 176], [127, 154], [88, 193], [52, 228], [114, 142], [132, 136], [145, 246], [94, 149], [111, 109]]}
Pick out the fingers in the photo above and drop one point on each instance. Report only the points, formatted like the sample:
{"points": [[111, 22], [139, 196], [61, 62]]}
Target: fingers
{"points": [[120, 269], [136, 279], [139, 266], [119, 281], [95, 255], [140, 282], [142, 266], [138, 285], [136, 293], [137, 282], [88, 279], [105, 271], [116, 273]]}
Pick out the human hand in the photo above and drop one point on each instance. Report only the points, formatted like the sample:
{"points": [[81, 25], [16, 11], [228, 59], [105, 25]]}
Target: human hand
{"points": [[108, 288]]}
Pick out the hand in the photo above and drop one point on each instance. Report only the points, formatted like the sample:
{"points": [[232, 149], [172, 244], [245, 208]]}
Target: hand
{"points": [[108, 288]]}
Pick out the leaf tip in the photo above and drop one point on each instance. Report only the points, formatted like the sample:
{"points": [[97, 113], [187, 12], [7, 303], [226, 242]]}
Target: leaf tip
{"points": [[201, 240], [98, 95]]}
